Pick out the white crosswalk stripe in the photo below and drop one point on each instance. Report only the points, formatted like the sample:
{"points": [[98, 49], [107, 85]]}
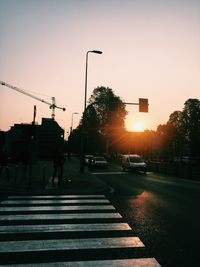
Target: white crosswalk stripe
{"points": [[84, 230], [57, 208], [141, 262], [67, 244], [55, 201], [18, 217], [57, 197], [64, 227]]}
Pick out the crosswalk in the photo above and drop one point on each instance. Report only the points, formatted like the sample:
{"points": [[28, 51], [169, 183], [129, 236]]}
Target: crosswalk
{"points": [[67, 230]]}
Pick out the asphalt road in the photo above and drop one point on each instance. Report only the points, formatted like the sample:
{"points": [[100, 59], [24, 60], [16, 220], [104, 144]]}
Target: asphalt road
{"points": [[163, 211]]}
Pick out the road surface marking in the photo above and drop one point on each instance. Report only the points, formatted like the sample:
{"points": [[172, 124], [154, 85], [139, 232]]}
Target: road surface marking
{"points": [[54, 208], [64, 228], [56, 196], [69, 244], [55, 201], [19, 217], [150, 262]]}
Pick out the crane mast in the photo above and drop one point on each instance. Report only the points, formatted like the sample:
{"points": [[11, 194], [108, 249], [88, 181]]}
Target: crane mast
{"points": [[51, 105]]}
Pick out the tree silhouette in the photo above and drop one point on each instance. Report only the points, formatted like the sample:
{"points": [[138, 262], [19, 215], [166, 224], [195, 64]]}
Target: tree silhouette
{"points": [[191, 125], [104, 120], [181, 134], [176, 133], [109, 108]]}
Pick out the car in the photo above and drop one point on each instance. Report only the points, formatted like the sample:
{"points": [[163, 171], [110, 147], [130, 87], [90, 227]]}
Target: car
{"points": [[88, 158], [134, 163], [185, 160], [98, 162]]}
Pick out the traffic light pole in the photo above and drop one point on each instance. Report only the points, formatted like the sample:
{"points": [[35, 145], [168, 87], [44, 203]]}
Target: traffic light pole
{"points": [[143, 104], [136, 104]]}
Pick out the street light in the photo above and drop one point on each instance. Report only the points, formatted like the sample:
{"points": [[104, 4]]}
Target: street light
{"points": [[82, 161], [71, 128], [86, 70]]}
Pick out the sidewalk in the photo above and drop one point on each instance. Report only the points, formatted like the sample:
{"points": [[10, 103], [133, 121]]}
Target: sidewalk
{"points": [[39, 181]]}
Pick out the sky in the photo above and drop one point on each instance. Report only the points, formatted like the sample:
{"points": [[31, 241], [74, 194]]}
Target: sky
{"points": [[150, 50]]}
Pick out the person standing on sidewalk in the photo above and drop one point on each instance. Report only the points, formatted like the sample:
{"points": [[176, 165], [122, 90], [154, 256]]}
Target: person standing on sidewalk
{"points": [[58, 162]]}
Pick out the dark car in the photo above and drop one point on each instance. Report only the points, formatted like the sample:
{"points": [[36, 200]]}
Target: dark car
{"points": [[98, 162], [88, 158]]}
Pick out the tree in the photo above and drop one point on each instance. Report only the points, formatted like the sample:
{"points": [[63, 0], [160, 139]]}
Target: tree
{"points": [[165, 149], [181, 134], [104, 118], [109, 108], [191, 125], [176, 134]]}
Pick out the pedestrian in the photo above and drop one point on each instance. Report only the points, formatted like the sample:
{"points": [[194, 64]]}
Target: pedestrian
{"points": [[58, 162]]}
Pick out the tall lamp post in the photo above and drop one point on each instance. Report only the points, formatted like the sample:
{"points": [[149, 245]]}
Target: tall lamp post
{"points": [[82, 161]]}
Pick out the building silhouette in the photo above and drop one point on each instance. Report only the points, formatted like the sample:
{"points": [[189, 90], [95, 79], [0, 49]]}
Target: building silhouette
{"points": [[32, 142]]}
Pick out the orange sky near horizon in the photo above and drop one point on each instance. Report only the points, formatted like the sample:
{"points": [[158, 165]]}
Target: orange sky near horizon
{"points": [[150, 50]]}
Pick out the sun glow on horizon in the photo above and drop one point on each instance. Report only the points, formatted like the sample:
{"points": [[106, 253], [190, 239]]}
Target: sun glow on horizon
{"points": [[137, 126]]}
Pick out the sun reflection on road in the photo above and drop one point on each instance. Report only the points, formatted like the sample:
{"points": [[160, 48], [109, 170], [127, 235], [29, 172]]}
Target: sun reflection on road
{"points": [[142, 205]]}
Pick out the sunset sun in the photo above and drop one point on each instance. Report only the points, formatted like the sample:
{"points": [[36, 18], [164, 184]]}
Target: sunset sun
{"points": [[138, 126]]}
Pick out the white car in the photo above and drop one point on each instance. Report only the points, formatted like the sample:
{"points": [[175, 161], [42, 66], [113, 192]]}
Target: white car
{"points": [[134, 163]]}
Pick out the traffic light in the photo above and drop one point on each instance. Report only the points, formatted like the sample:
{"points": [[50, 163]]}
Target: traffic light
{"points": [[143, 104]]}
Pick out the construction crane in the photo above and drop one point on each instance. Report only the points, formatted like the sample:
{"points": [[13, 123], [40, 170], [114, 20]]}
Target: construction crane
{"points": [[51, 105]]}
